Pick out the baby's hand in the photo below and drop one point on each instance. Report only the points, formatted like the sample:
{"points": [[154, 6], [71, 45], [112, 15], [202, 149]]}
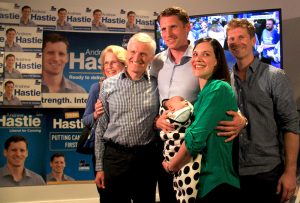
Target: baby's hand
{"points": [[170, 114], [163, 123]]}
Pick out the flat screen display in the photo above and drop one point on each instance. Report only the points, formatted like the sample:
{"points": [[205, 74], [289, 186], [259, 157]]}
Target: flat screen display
{"points": [[267, 23]]}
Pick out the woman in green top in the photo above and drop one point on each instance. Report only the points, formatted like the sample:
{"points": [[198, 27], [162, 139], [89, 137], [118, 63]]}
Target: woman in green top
{"points": [[218, 181]]}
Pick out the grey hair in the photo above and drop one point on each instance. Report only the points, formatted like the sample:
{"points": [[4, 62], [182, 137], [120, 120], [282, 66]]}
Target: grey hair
{"points": [[144, 38]]}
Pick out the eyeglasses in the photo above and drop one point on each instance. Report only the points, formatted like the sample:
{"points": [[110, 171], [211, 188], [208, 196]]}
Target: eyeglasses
{"points": [[108, 64]]}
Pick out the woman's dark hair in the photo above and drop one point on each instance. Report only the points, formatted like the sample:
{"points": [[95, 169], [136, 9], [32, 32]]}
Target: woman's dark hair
{"points": [[221, 72]]}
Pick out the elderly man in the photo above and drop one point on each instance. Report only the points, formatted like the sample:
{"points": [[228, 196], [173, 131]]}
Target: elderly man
{"points": [[125, 150]]}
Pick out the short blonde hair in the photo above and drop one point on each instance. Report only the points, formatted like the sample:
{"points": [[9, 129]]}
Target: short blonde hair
{"points": [[241, 23], [120, 53]]}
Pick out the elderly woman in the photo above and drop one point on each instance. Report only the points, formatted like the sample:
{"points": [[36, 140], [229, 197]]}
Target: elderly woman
{"points": [[113, 61]]}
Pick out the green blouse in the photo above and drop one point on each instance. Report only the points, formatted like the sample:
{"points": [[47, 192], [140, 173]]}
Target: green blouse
{"points": [[213, 101]]}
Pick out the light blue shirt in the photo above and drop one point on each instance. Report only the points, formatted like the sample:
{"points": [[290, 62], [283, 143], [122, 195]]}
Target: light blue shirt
{"points": [[175, 79]]}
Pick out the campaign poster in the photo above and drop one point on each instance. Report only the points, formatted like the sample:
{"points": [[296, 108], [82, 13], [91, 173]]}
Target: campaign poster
{"points": [[146, 20], [10, 13], [78, 16], [2, 37], [116, 19], [29, 64], [1, 64], [47, 17], [27, 91], [29, 38], [79, 19], [28, 124], [83, 67], [44, 16], [64, 100], [64, 129]]}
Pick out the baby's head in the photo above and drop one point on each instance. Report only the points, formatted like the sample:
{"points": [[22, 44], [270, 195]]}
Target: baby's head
{"points": [[175, 103]]}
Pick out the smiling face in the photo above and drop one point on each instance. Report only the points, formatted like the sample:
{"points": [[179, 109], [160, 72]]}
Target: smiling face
{"points": [[204, 60], [62, 15], [26, 13], [9, 89], [139, 56], [16, 154], [55, 57], [11, 35], [58, 164], [240, 43], [10, 61], [97, 16], [131, 18], [112, 65], [174, 32]]}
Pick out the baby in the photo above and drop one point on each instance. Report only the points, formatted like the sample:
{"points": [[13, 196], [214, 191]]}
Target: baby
{"points": [[179, 112]]}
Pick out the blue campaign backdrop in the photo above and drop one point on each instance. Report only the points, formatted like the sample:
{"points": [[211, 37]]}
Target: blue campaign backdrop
{"points": [[50, 130], [28, 124], [85, 49], [63, 133], [47, 132]]}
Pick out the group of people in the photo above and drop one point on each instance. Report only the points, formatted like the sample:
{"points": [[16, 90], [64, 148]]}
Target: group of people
{"points": [[244, 126], [63, 24], [14, 172], [182, 120]]}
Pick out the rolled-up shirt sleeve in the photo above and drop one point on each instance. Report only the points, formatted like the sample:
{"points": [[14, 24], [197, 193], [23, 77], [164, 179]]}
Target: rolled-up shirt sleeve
{"points": [[284, 103], [210, 108]]}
